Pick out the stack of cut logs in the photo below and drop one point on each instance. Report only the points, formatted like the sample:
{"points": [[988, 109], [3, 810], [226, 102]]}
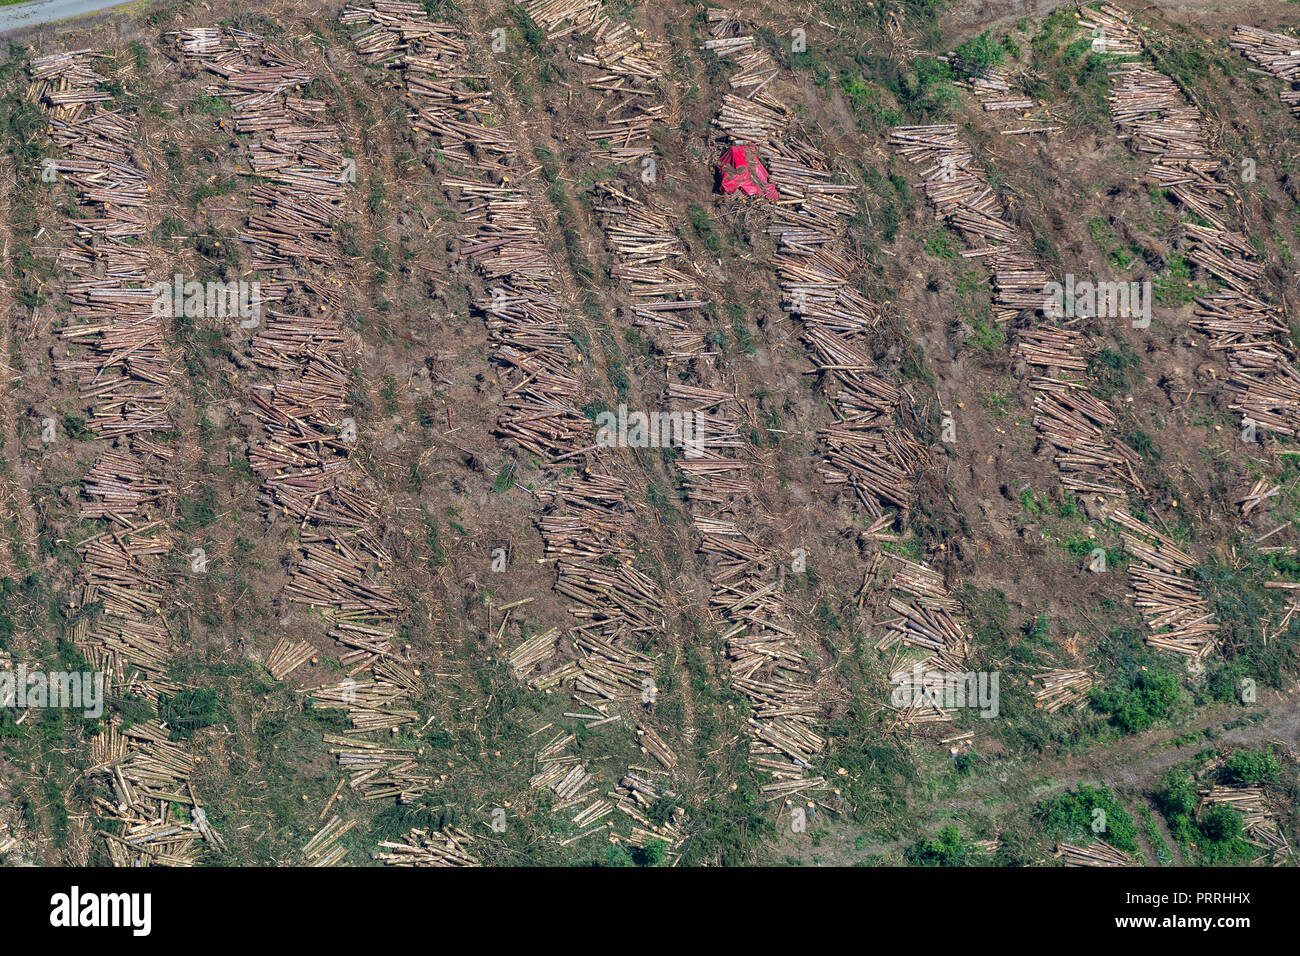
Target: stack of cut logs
{"points": [[1066, 415], [8, 842], [635, 794], [1112, 29], [304, 457], [929, 620], [866, 449], [1162, 126], [753, 114], [562, 18], [767, 657], [123, 367], [447, 847], [1179, 618], [1097, 853], [574, 788], [648, 260], [989, 83], [1277, 54], [1062, 687]]}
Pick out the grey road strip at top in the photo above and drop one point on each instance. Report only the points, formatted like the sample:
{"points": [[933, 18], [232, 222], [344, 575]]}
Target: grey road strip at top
{"points": [[24, 15]]}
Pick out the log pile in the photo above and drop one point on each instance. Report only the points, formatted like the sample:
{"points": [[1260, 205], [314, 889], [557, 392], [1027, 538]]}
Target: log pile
{"points": [[305, 456], [1062, 687], [988, 83], [1090, 459], [1276, 54], [1258, 820], [635, 794], [1179, 618], [286, 657], [565, 776], [1097, 853], [117, 352], [1113, 27], [324, 848], [867, 450], [561, 18], [649, 259], [755, 114], [588, 521], [447, 847], [930, 641], [1066, 416]]}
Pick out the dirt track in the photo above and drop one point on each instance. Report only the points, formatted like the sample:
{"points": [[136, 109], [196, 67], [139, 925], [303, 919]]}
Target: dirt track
{"points": [[966, 16]]}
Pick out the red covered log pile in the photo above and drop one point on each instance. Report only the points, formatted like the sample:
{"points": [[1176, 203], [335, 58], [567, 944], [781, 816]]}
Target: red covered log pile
{"points": [[118, 353]]}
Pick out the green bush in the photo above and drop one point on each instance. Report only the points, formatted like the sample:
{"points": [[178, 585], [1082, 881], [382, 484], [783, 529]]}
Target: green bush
{"points": [[1176, 799], [189, 711], [1250, 768], [982, 50], [1074, 817], [1149, 696], [1221, 837], [949, 848]]}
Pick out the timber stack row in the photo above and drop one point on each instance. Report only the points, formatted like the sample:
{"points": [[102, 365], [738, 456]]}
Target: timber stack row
{"points": [[768, 665], [588, 519], [625, 68], [305, 454], [1091, 460], [930, 640], [1160, 124], [867, 450], [118, 353]]}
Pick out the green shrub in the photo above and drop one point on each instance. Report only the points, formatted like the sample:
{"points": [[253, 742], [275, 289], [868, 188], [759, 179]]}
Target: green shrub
{"points": [[1250, 768], [189, 711], [982, 50], [1086, 814], [1149, 696], [949, 848]]}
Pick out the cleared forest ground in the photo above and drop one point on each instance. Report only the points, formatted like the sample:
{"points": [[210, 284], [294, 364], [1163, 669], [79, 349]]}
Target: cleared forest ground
{"points": [[371, 585]]}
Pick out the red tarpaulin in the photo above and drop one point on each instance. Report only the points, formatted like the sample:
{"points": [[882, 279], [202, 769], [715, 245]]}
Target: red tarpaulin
{"points": [[739, 168]]}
